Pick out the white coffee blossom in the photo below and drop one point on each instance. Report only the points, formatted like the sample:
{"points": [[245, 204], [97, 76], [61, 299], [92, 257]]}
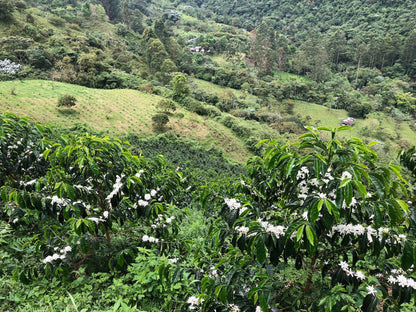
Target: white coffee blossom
{"points": [[346, 175], [233, 307], [143, 203], [116, 188], [150, 239], [232, 203], [96, 220], [360, 275], [57, 200], [242, 229], [277, 230], [194, 302]]}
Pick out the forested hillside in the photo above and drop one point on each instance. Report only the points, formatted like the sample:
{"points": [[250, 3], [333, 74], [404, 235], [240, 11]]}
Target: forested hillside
{"points": [[117, 192]]}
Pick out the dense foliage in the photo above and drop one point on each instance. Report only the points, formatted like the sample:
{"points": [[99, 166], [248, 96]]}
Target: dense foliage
{"points": [[320, 221]]}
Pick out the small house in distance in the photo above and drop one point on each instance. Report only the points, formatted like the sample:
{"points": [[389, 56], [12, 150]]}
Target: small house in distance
{"points": [[198, 49], [348, 122]]}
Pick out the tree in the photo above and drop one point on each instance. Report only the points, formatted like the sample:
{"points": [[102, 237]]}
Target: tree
{"points": [[155, 54], [6, 10], [180, 88], [168, 67]]}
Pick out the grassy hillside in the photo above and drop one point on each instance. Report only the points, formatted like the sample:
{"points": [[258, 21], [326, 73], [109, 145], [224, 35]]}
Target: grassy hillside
{"points": [[114, 112]]}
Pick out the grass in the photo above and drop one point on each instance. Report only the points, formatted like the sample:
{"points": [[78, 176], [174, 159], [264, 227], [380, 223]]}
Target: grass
{"points": [[284, 76], [113, 112], [210, 87]]}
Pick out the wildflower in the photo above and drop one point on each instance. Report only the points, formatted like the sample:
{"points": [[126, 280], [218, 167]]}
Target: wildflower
{"points": [[105, 214], [258, 309], [173, 260], [147, 197], [234, 308], [371, 290], [153, 193]]}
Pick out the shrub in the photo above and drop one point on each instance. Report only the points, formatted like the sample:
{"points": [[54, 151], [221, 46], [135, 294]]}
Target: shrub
{"points": [[56, 20], [66, 100], [359, 109], [166, 106], [159, 121]]}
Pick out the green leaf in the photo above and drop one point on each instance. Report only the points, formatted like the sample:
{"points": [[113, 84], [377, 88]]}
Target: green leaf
{"points": [[310, 234], [361, 188], [120, 259], [263, 303], [378, 216], [4, 194], [407, 256], [289, 167], [375, 179], [260, 251], [345, 182], [324, 128], [403, 205], [348, 194], [370, 303], [396, 170], [333, 210], [307, 135], [313, 212], [299, 233], [343, 128], [70, 191], [262, 142], [392, 214], [320, 204], [321, 158]]}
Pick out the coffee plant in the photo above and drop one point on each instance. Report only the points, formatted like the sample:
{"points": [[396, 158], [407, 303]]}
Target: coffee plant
{"points": [[316, 225]]}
